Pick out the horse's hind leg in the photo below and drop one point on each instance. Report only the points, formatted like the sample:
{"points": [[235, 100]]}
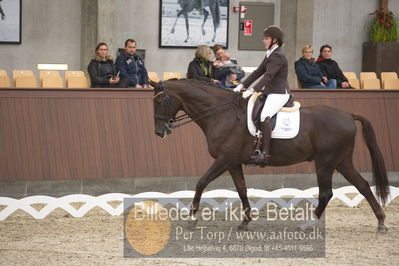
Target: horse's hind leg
{"points": [[217, 168], [206, 14], [324, 171], [187, 26], [214, 35], [352, 175], [239, 182], [177, 17]]}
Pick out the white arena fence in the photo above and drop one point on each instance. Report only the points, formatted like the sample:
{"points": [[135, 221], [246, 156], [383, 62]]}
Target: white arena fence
{"points": [[90, 202]]}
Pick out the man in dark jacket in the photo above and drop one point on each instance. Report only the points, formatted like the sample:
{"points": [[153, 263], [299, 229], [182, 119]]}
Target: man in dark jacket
{"points": [[102, 70], [131, 66], [330, 68]]}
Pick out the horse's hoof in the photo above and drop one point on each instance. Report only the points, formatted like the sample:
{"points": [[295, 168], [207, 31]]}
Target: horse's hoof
{"points": [[381, 229], [203, 32], [242, 228], [172, 31]]}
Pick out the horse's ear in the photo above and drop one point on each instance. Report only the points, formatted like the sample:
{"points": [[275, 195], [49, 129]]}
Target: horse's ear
{"points": [[153, 84]]}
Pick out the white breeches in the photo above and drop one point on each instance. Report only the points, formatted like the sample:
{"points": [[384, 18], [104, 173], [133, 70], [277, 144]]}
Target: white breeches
{"points": [[274, 102]]}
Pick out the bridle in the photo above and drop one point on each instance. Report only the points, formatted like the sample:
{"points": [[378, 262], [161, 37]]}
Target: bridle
{"points": [[172, 120]]}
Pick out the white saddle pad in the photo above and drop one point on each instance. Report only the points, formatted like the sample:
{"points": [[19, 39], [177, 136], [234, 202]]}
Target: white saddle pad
{"points": [[287, 123]]}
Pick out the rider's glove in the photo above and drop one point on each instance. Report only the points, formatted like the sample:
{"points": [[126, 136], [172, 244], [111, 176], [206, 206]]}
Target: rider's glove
{"points": [[247, 93], [238, 88]]}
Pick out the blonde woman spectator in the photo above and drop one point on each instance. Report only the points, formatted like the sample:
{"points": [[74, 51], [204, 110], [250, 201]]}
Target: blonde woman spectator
{"points": [[201, 67]]}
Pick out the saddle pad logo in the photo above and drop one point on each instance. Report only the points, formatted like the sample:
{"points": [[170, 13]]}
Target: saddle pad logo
{"points": [[286, 122], [287, 125]]}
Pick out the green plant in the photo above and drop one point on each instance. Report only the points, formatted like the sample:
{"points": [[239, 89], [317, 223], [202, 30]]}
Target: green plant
{"points": [[384, 27]]}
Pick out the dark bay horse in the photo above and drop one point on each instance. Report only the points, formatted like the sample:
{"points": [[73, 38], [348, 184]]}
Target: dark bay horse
{"points": [[189, 5], [327, 136]]}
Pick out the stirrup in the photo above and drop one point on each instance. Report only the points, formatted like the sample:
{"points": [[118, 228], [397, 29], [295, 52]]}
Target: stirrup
{"points": [[257, 152]]}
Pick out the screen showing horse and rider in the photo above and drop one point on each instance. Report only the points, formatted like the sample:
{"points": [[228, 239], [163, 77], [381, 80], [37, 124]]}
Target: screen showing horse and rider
{"points": [[189, 23], [10, 21]]}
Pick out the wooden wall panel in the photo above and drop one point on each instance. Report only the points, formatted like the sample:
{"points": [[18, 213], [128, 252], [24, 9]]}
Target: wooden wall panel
{"points": [[83, 134], [392, 111]]}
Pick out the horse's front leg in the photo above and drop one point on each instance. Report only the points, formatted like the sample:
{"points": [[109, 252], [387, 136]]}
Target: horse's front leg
{"points": [[217, 168], [177, 17], [239, 182], [206, 14]]}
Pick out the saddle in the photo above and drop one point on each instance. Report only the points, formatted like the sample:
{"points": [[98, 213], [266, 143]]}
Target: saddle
{"points": [[258, 106]]}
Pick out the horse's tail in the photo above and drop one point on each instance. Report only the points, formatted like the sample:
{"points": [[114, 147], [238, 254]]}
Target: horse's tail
{"points": [[215, 10], [379, 171]]}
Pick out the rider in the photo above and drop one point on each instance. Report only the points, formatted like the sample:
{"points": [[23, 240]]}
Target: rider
{"points": [[274, 69]]}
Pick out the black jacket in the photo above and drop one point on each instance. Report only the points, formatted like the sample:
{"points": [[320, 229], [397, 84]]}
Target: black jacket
{"points": [[100, 72], [331, 70], [132, 68], [195, 71], [308, 72]]}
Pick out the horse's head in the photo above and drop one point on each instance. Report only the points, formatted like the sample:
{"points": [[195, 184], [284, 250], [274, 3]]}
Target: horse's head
{"points": [[166, 107]]}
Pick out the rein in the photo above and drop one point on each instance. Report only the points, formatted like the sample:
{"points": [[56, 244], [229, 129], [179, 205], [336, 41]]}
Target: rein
{"points": [[200, 115], [172, 120]]}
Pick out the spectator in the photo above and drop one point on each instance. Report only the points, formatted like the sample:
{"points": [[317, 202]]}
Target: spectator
{"points": [[309, 73], [330, 68], [227, 70], [201, 67], [102, 70], [131, 66]]}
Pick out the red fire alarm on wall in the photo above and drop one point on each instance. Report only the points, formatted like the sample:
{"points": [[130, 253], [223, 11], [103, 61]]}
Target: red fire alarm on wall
{"points": [[248, 27], [236, 9]]}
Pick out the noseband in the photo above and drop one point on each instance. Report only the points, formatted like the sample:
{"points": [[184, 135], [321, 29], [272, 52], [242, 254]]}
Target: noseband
{"points": [[169, 125]]}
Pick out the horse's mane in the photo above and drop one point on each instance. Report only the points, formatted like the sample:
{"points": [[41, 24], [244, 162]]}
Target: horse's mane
{"points": [[203, 91], [203, 85]]}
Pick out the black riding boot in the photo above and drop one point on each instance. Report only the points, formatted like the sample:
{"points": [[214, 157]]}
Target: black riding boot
{"points": [[264, 156]]}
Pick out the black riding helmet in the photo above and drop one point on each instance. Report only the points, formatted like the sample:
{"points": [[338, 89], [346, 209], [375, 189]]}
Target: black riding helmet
{"points": [[275, 33]]}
